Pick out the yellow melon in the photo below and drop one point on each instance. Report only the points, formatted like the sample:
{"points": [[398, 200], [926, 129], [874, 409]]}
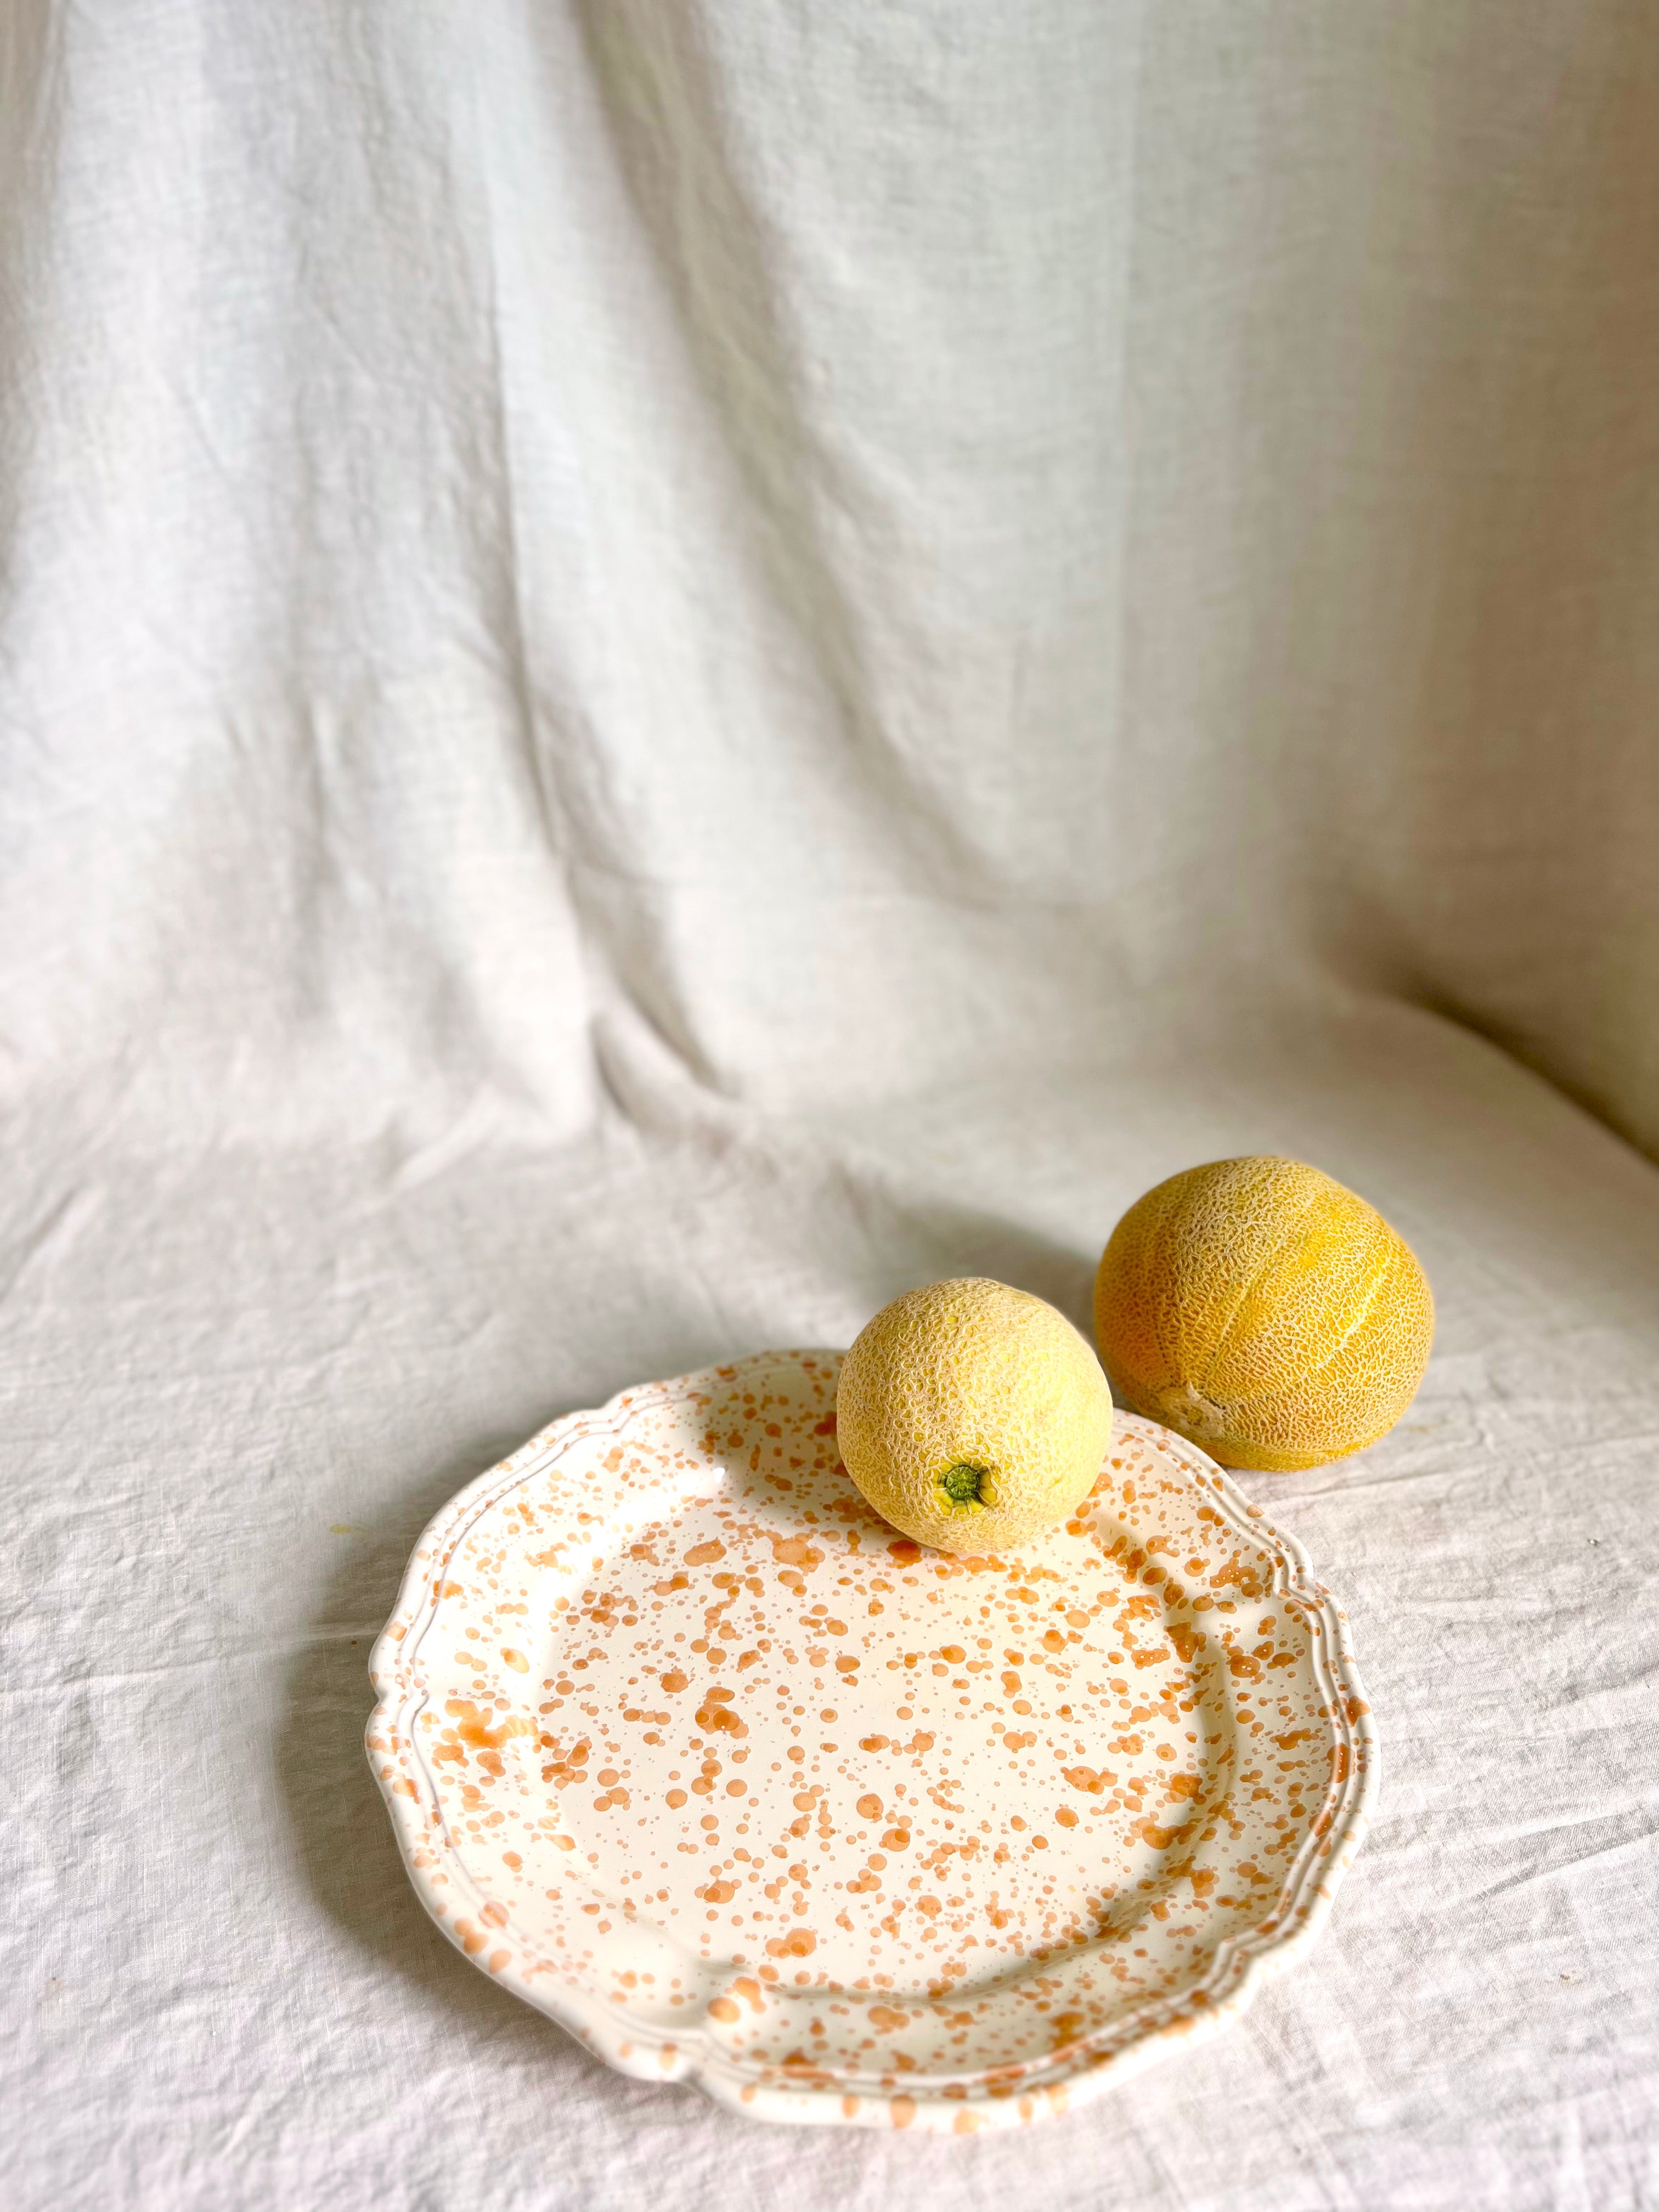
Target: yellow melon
{"points": [[1264, 1312], [972, 1416]]}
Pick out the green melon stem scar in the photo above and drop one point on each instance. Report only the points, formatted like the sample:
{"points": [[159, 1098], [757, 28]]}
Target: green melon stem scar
{"points": [[965, 1488]]}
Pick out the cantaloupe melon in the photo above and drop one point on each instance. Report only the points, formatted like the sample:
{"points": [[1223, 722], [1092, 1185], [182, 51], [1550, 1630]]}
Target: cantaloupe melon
{"points": [[1264, 1312], [972, 1416]]}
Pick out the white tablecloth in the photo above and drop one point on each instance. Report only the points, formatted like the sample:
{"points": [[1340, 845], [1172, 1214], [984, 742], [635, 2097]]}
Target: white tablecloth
{"points": [[666, 667]]}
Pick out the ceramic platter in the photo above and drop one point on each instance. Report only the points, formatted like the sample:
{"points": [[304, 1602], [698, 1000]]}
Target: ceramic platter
{"points": [[694, 1754]]}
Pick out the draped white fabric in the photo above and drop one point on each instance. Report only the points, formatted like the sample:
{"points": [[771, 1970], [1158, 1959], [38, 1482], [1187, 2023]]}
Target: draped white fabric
{"points": [[665, 665]]}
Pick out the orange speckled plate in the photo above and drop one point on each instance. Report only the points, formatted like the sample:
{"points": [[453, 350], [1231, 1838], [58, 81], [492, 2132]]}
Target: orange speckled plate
{"points": [[689, 1750]]}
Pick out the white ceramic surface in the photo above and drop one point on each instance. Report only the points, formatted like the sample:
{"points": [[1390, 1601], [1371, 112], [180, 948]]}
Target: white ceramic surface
{"points": [[693, 1753]]}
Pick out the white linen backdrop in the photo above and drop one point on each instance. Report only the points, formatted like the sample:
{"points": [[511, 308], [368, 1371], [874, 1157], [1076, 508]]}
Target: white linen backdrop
{"points": [[666, 665]]}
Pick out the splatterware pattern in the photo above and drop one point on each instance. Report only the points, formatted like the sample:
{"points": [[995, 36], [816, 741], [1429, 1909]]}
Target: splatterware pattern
{"points": [[688, 1748]]}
